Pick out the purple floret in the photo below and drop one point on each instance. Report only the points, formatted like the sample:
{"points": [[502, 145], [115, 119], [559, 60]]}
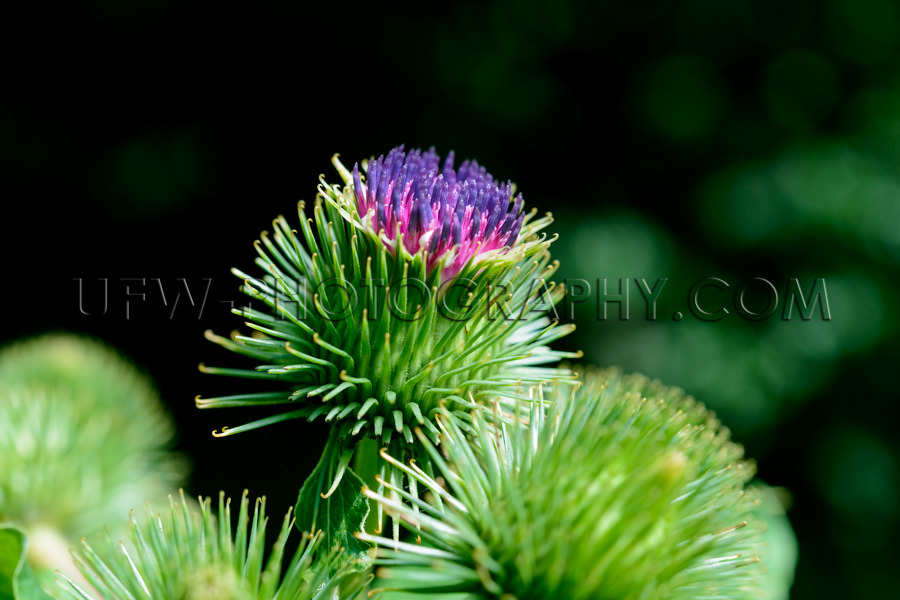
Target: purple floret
{"points": [[460, 213]]}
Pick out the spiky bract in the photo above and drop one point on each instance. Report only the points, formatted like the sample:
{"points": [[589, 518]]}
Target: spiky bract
{"points": [[192, 555], [83, 436], [624, 490]]}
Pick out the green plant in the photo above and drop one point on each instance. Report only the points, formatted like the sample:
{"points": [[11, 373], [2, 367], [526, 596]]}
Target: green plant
{"points": [[623, 489], [507, 475], [83, 438], [414, 285], [194, 555]]}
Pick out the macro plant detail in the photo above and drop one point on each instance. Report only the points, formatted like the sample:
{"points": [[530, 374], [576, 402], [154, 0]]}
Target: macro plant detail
{"points": [[410, 314], [410, 287], [452, 215], [83, 438], [623, 489], [193, 554]]}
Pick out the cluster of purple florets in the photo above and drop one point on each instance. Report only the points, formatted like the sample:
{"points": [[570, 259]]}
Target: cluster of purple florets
{"points": [[444, 211]]}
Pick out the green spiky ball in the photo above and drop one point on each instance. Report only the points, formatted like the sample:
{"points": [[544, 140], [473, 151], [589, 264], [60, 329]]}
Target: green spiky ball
{"points": [[83, 436], [625, 490], [193, 555]]}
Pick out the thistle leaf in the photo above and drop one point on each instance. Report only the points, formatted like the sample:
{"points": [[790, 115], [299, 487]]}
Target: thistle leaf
{"points": [[17, 582], [331, 501]]}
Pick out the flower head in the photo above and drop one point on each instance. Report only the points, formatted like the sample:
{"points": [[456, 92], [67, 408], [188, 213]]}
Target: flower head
{"points": [[625, 489], [452, 214], [191, 554], [407, 290], [83, 435]]}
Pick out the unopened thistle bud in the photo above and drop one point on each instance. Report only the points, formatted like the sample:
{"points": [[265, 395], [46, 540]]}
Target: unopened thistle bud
{"points": [[83, 438], [192, 555], [624, 489]]}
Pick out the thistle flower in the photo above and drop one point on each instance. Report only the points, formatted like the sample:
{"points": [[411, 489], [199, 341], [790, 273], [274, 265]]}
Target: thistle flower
{"points": [[452, 215], [409, 286], [625, 489], [192, 555], [83, 438]]}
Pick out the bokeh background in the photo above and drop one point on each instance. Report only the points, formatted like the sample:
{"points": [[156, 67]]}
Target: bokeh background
{"points": [[740, 139]]}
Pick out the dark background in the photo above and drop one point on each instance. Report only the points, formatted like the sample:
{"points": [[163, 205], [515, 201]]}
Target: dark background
{"points": [[671, 139]]}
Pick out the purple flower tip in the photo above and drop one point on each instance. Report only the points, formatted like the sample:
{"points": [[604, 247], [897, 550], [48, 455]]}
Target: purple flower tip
{"points": [[446, 211]]}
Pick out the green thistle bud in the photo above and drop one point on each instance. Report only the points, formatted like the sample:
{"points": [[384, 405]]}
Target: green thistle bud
{"points": [[83, 438], [407, 288], [624, 489], [194, 556]]}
